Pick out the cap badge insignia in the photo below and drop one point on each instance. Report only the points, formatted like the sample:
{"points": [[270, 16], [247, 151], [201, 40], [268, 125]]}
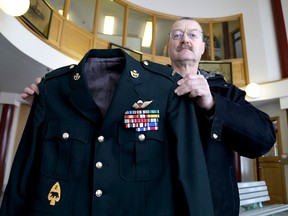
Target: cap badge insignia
{"points": [[77, 76], [134, 73]]}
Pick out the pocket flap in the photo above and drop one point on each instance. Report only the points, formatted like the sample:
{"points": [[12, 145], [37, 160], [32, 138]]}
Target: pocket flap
{"points": [[68, 130]]}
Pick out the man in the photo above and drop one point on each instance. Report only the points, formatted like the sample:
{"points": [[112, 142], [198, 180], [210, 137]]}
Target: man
{"points": [[227, 122], [108, 137]]}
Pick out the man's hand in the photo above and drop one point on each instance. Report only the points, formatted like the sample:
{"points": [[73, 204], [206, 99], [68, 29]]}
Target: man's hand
{"points": [[197, 87], [29, 92]]}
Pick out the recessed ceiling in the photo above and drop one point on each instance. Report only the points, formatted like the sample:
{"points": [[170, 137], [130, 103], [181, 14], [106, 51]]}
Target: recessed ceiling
{"points": [[17, 69]]}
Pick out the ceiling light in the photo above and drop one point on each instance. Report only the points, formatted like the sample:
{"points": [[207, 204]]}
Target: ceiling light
{"points": [[15, 7], [253, 90]]}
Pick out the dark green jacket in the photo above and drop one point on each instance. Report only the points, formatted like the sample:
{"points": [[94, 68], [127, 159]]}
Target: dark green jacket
{"points": [[72, 161]]}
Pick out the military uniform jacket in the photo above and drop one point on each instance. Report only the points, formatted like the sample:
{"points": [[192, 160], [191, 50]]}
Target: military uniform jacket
{"points": [[74, 161], [236, 126]]}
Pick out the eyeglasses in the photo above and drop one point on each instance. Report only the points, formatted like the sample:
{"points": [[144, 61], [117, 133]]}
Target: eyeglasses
{"points": [[192, 34]]}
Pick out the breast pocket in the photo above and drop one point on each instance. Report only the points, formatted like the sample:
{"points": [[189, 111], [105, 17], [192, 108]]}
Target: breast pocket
{"points": [[66, 149], [140, 154]]}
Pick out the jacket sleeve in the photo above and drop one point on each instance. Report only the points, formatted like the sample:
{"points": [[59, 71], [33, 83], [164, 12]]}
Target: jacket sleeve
{"points": [[240, 125], [193, 192], [16, 199]]}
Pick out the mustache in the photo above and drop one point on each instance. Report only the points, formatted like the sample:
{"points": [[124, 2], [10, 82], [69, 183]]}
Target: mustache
{"points": [[184, 46]]}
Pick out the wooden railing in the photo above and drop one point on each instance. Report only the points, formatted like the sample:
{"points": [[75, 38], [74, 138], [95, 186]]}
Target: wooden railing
{"points": [[74, 42]]}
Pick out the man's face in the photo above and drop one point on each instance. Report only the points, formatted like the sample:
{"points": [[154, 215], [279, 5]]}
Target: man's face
{"points": [[185, 42]]}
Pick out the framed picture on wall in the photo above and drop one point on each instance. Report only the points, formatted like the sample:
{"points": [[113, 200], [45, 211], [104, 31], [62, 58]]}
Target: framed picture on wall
{"points": [[135, 54], [223, 68], [38, 17]]}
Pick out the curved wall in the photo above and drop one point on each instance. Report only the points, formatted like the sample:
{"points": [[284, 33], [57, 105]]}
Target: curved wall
{"points": [[32, 46]]}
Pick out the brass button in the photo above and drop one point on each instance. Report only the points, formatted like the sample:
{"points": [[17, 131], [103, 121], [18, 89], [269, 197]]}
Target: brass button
{"points": [[101, 139], [145, 63], [65, 135], [72, 66], [141, 137], [99, 165], [98, 193], [215, 136]]}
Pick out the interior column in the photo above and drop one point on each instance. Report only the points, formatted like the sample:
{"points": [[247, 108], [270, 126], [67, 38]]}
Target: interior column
{"points": [[281, 36], [5, 128]]}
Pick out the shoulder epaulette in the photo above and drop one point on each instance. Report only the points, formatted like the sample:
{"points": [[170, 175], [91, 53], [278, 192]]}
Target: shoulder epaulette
{"points": [[59, 71], [163, 70]]}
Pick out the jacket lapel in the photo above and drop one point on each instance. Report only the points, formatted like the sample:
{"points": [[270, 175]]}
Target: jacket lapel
{"points": [[126, 93], [124, 97], [82, 100]]}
